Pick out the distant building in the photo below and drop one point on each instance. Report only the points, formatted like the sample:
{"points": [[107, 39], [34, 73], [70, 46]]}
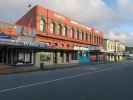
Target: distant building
{"points": [[114, 50]]}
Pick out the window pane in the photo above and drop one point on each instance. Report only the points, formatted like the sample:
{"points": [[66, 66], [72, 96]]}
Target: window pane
{"points": [[42, 25]]}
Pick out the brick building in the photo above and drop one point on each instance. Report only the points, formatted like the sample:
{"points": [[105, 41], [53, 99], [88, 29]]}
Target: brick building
{"points": [[62, 39]]}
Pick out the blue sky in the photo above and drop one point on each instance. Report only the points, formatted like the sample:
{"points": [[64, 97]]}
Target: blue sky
{"points": [[110, 3], [112, 17]]}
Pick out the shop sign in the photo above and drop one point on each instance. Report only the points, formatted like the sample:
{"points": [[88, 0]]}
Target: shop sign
{"points": [[94, 48], [81, 48], [30, 42], [6, 38], [53, 45]]}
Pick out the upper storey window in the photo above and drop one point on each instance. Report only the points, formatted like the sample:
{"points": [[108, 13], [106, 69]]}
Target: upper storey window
{"points": [[59, 29], [72, 33], [86, 36], [78, 34], [52, 27], [42, 25], [83, 35], [64, 32]]}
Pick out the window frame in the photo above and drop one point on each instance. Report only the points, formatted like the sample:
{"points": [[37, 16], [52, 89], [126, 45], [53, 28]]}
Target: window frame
{"points": [[42, 25]]}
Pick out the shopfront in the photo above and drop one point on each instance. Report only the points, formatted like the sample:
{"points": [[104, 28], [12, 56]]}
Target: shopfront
{"points": [[13, 55], [83, 53], [18, 50], [96, 54]]}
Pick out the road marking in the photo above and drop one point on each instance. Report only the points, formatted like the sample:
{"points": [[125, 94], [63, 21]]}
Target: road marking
{"points": [[51, 81]]}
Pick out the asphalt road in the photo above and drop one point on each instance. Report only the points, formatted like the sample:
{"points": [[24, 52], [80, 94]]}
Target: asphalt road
{"points": [[88, 82]]}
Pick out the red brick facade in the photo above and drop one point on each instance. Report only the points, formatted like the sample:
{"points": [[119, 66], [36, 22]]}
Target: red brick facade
{"points": [[54, 28]]}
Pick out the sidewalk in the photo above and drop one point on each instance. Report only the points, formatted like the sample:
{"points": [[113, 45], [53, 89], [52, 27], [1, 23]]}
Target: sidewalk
{"points": [[5, 69], [13, 69]]}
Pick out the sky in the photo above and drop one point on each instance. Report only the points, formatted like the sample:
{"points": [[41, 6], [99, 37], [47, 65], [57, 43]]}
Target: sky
{"points": [[112, 17]]}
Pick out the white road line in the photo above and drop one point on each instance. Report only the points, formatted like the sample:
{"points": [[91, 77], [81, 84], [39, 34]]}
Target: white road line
{"points": [[51, 81]]}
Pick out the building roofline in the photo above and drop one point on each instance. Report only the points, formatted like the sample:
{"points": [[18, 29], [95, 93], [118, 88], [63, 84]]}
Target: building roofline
{"points": [[71, 19]]}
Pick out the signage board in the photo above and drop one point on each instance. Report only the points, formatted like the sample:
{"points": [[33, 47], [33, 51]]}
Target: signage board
{"points": [[30, 42], [6, 38], [81, 48]]}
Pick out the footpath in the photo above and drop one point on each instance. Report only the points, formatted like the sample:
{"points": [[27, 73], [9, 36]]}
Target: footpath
{"points": [[6, 69]]}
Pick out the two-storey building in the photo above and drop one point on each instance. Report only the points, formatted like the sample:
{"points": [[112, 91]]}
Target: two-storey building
{"points": [[45, 36]]}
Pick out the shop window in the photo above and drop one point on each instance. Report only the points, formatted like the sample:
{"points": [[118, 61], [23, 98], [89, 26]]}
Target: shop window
{"points": [[42, 25], [74, 55], [27, 57], [21, 57], [81, 53], [24, 58]]}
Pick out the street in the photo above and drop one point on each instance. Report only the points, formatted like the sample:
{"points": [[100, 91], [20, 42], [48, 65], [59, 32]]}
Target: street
{"points": [[85, 82]]}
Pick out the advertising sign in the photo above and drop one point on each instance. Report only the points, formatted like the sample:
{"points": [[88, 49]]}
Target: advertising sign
{"points": [[81, 48]]}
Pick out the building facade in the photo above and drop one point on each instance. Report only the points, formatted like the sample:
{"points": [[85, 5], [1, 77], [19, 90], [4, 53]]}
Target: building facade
{"points": [[17, 45], [45, 36], [69, 41], [114, 50]]}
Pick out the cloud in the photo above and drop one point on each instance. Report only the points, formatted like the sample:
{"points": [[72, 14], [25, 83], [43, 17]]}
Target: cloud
{"points": [[125, 5], [96, 13]]}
